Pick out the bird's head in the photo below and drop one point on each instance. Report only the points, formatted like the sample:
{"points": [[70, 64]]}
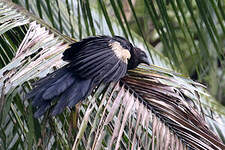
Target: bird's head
{"points": [[137, 56], [133, 56]]}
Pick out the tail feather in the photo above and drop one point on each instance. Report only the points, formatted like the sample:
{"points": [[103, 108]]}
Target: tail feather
{"points": [[63, 83], [44, 83], [52, 77], [77, 92], [83, 91], [59, 86], [41, 110], [37, 100]]}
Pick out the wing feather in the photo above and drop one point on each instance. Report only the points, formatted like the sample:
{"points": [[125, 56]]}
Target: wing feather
{"points": [[111, 69], [96, 67], [85, 61], [117, 74], [89, 51], [97, 57], [96, 43]]}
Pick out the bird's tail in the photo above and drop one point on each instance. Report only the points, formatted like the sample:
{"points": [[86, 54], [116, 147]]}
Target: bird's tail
{"points": [[63, 84]]}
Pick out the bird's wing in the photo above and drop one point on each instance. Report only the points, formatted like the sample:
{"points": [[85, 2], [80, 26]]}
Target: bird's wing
{"points": [[102, 58]]}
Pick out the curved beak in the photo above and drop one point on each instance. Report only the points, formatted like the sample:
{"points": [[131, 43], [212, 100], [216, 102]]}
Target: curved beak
{"points": [[145, 60]]}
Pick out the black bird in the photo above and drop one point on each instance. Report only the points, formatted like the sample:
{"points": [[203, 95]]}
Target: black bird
{"points": [[94, 60]]}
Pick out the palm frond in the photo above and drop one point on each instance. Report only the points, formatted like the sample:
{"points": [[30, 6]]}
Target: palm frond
{"points": [[154, 102], [173, 108]]}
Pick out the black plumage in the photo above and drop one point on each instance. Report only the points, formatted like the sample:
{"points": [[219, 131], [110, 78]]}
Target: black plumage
{"points": [[91, 61]]}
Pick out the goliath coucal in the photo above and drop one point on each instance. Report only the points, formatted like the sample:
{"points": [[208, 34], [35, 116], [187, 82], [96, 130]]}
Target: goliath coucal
{"points": [[94, 60]]}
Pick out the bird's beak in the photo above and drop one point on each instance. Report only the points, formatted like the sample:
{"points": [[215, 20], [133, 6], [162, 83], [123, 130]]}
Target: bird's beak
{"points": [[145, 60]]}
